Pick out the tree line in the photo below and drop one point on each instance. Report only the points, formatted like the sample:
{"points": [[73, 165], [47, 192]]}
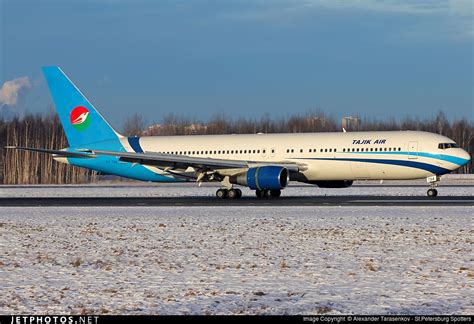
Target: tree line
{"points": [[19, 167], [23, 167]]}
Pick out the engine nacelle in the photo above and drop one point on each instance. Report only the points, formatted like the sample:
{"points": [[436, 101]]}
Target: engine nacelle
{"points": [[334, 184], [263, 178]]}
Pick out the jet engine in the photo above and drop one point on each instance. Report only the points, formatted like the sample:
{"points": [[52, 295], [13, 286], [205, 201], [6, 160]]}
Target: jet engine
{"points": [[263, 178]]}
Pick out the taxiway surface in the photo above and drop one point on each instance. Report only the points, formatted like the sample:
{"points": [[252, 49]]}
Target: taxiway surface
{"points": [[245, 201]]}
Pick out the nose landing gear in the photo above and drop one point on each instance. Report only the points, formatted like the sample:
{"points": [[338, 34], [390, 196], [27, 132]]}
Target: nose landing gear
{"points": [[432, 192], [433, 181]]}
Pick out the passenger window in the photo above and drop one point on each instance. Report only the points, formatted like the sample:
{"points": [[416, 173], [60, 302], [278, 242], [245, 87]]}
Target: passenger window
{"points": [[258, 151], [325, 150], [330, 150], [335, 150], [292, 150], [309, 150], [288, 151], [343, 150], [301, 150], [321, 150]]}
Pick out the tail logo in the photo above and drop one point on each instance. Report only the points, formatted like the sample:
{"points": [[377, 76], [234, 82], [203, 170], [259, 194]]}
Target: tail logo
{"points": [[79, 118]]}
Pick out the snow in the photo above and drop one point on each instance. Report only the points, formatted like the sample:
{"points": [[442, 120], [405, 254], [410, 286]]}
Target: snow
{"points": [[236, 260]]}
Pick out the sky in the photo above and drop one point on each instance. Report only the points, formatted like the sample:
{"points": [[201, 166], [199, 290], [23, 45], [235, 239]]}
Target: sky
{"points": [[374, 59]]}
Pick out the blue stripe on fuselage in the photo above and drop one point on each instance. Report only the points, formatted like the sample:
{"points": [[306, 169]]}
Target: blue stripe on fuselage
{"points": [[411, 164], [442, 157], [135, 144]]}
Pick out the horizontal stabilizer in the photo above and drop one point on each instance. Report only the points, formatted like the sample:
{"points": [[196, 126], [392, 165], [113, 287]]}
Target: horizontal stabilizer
{"points": [[54, 152]]}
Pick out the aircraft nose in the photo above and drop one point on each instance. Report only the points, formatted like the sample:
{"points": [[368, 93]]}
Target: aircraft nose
{"points": [[465, 156]]}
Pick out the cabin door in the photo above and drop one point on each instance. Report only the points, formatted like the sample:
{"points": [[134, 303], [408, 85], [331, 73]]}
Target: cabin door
{"points": [[413, 150]]}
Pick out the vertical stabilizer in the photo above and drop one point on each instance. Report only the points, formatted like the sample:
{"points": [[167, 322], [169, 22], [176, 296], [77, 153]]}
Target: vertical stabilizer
{"points": [[82, 123]]}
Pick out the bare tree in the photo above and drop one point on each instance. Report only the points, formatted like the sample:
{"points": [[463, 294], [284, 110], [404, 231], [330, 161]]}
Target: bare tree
{"points": [[134, 125]]}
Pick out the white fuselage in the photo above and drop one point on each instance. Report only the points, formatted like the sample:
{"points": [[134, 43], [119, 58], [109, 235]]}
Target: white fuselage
{"points": [[322, 156]]}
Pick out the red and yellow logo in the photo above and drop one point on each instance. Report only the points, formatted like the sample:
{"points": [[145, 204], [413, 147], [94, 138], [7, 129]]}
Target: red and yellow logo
{"points": [[79, 118]]}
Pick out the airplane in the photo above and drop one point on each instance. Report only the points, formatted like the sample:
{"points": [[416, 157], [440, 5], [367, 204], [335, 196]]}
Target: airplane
{"points": [[265, 163]]}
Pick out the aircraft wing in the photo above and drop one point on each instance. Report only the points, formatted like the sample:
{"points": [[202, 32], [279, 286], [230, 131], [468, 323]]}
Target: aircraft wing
{"points": [[183, 162], [170, 162]]}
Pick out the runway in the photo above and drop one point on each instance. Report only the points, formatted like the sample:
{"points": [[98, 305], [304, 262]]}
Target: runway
{"points": [[207, 201]]}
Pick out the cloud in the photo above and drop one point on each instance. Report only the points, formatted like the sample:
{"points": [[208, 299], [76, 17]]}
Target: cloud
{"points": [[431, 19], [12, 90], [393, 6], [414, 7]]}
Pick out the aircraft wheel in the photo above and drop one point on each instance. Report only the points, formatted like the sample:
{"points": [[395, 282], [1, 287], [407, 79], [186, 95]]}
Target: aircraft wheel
{"points": [[432, 192], [239, 193], [275, 193], [221, 193], [232, 194], [259, 193]]}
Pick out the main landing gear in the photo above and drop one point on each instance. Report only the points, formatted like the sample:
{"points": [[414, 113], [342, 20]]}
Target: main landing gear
{"points": [[229, 193], [237, 193], [433, 181], [268, 193]]}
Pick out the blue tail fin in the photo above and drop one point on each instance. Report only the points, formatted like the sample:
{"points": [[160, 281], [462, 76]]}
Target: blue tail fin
{"points": [[82, 123]]}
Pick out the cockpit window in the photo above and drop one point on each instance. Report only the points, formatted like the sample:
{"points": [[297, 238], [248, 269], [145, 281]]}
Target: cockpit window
{"points": [[444, 146]]}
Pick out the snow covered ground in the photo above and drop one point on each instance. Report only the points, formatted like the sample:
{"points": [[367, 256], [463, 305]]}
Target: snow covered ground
{"points": [[236, 260]]}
